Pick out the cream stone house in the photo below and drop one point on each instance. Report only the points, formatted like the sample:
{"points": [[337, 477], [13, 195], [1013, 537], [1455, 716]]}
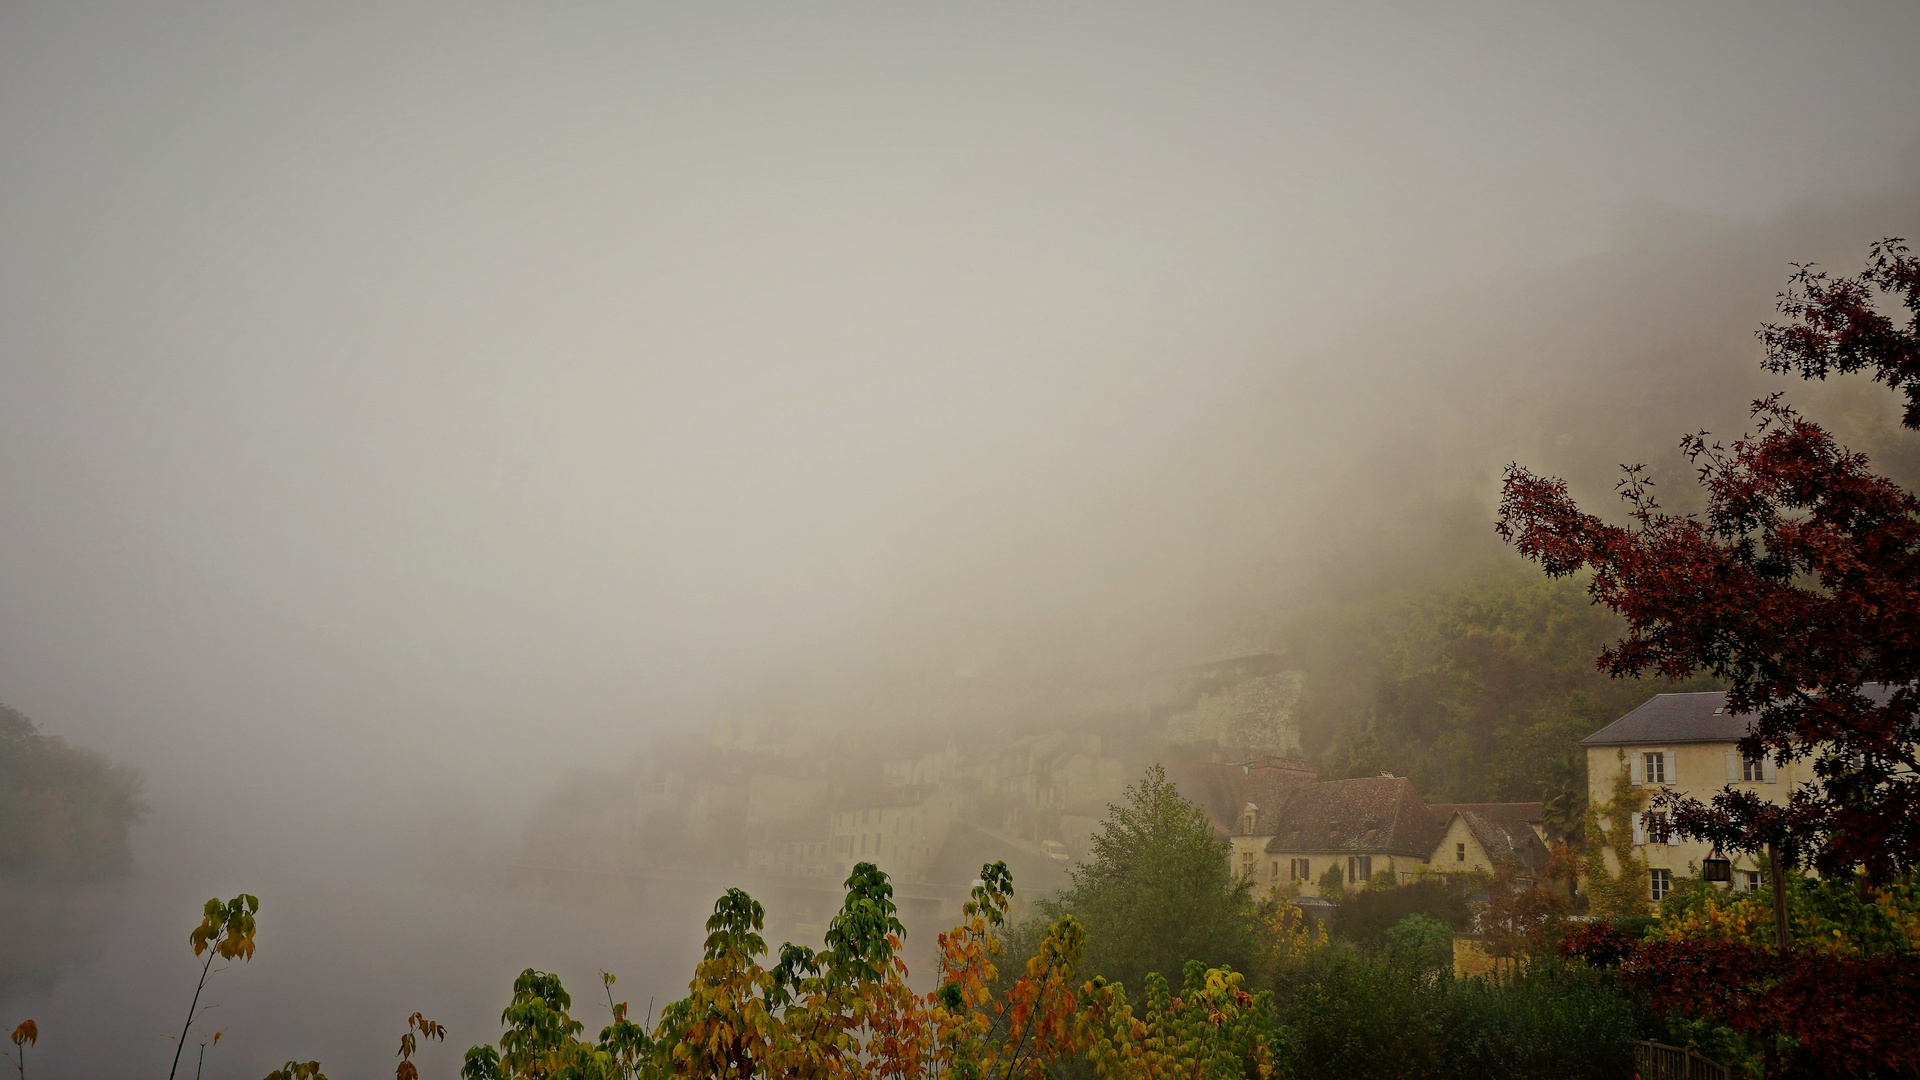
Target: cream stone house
{"points": [[1684, 743], [1365, 826], [1487, 836]]}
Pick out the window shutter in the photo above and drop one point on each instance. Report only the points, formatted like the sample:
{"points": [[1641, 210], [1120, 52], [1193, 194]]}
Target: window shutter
{"points": [[1638, 764], [1772, 770], [1733, 766], [1672, 766], [1639, 829]]}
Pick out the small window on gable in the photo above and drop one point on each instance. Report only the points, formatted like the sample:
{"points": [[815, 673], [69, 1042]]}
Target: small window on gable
{"points": [[1459, 853]]}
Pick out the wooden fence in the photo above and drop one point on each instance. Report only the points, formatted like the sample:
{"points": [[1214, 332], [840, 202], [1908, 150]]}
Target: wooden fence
{"points": [[1658, 1061]]}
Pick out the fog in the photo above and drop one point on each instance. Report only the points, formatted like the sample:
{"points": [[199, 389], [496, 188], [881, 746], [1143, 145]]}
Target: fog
{"points": [[400, 408]]}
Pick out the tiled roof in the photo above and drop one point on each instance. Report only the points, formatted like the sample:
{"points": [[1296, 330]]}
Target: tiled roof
{"points": [[1505, 830], [1378, 815], [1685, 718]]}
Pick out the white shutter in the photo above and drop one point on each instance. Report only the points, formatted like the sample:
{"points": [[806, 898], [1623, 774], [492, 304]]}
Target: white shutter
{"points": [[1637, 762], [1639, 829], [1772, 770], [1733, 766], [1672, 764]]}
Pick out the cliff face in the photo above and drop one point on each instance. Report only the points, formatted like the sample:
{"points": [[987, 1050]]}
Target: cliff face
{"points": [[1255, 716]]}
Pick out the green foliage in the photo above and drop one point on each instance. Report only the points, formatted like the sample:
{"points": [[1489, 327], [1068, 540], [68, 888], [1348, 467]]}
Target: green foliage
{"points": [[1361, 1018], [1420, 944], [227, 928], [1366, 915], [226, 931], [1473, 689], [1609, 831], [542, 1039], [1158, 890], [1843, 915], [1565, 811], [1333, 882], [1214, 1030], [64, 812]]}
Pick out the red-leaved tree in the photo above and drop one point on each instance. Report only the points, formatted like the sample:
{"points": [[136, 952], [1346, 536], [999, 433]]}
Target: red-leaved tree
{"points": [[1799, 585]]}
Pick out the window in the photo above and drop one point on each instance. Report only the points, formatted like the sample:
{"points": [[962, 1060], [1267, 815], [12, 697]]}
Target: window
{"points": [[1753, 770], [1273, 871], [1246, 864], [1656, 766], [1299, 870], [1657, 830], [1662, 884], [1247, 817], [1749, 881], [1359, 868], [1459, 853]]}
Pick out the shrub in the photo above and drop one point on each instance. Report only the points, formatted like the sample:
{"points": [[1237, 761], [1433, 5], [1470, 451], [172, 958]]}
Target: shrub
{"points": [[1365, 916], [1357, 1017], [1420, 943]]}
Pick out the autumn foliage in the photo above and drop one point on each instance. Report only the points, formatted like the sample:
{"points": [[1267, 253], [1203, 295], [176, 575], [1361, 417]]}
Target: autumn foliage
{"points": [[1799, 585]]}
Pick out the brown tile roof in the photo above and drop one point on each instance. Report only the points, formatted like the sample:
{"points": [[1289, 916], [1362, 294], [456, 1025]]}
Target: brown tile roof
{"points": [[1374, 815], [1505, 830]]}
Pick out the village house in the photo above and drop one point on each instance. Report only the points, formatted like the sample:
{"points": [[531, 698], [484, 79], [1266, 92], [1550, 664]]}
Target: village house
{"points": [[900, 830], [1286, 828], [1365, 826], [1683, 743], [1054, 786], [1486, 837]]}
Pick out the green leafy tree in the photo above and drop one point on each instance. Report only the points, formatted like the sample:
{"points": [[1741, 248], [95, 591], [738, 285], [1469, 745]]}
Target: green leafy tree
{"points": [[542, 1039], [1215, 1029], [1368, 914], [1158, 890], [1473, 689], [64, 812], [1564, 805], [225, 931], [1420, 944]]}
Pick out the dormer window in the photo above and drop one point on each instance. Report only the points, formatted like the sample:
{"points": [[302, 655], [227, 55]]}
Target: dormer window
{"points": [[1248, 817]]}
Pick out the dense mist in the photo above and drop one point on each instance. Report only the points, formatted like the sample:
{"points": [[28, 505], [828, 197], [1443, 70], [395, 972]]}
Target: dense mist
{"points": [[402, 408]]}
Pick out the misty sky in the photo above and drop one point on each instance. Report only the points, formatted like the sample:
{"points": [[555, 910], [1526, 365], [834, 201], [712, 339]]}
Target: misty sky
{"points": [[401, 404], [403, 389]]}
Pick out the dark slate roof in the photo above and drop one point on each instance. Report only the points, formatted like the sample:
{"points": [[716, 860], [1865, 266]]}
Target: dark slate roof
{"points": [[1505, 830], [1674, 718], [1374, 815], [1689, 718]]}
